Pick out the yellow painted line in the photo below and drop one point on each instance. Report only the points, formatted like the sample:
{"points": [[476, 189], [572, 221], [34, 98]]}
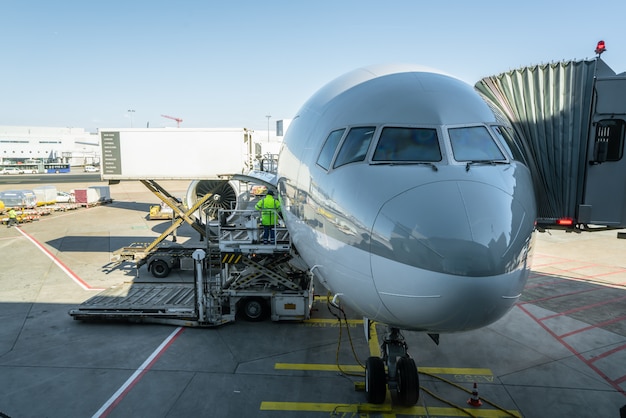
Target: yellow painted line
{"points": [[357, 368], [385, 408], [331, 323], [318, 367], [322, 407], [456, 370]]}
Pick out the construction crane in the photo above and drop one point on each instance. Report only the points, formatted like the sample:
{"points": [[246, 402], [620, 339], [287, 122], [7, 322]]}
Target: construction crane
{"points": [[178, 120]]}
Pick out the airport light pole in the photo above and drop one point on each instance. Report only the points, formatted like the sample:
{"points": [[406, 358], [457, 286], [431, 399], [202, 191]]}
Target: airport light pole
{"points": [[268, 127], [130, 113]]}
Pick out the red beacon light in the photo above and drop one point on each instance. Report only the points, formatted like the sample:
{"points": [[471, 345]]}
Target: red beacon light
{"points": [[600, 48]]}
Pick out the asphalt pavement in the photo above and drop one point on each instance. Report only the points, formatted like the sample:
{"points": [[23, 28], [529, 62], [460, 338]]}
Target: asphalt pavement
{"points": [[560, 352]]}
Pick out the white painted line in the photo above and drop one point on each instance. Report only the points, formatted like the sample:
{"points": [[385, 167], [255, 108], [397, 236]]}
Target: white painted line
{"points": [[58, 262], [132, 380]]}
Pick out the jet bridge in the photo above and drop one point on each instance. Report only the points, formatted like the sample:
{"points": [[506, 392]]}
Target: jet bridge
{"points": [[570, 124]]}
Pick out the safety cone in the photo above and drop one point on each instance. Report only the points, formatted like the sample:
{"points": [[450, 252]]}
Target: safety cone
{"points": [[474, 400]]}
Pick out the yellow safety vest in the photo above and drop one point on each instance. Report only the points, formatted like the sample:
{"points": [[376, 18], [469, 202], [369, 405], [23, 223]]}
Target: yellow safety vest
{"points": [[269, 208]]}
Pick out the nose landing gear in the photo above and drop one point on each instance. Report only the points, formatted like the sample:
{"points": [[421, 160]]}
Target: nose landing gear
{"points": [[401, 373]]}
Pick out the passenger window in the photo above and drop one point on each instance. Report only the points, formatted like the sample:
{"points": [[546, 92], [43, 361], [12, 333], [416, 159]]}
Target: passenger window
{"points": [[407, 145], [328, 150], [474, 144], [355, 146]]}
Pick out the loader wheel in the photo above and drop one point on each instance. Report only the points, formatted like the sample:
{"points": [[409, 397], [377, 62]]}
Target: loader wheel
{"points": [[160, 269], [253, 309]]}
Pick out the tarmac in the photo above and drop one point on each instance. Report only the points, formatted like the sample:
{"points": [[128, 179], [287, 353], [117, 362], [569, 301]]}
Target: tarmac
{"points": [[560, 352]]}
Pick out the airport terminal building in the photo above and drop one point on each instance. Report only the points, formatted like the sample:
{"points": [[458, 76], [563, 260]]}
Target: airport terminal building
{"points": [[30, 144]]}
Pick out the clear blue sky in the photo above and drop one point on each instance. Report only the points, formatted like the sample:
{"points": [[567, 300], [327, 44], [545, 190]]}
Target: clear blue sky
{"points": [[85, 63]]}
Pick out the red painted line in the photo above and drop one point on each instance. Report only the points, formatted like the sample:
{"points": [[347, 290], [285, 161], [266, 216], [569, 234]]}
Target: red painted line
{"points": [[584, 266], [578, 292], [547, 283], [566, 260], [119, 395], [585, 307], [560, 261], [598, 325], [58, 262], [590, 364], [608, 353]]}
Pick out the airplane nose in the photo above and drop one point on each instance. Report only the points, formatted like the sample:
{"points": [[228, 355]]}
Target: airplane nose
{"points": [[468, 229]]}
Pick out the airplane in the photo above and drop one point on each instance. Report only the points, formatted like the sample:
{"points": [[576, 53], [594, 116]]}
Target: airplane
{"points": [[406, 195]]}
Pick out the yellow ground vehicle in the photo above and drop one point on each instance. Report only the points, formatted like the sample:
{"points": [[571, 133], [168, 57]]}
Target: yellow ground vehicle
{"points": [[161, 211]]}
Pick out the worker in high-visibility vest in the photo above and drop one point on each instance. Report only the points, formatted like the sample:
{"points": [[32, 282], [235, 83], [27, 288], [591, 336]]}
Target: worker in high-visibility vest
{"points": [[12, 218], [269, 207]]}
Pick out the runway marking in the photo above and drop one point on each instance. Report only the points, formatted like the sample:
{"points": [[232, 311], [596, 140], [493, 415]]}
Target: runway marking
{"points": [[117, 397], [58, 262]]}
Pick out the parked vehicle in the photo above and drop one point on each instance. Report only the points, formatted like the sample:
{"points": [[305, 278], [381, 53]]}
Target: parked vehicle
{"points": [[91, 169], [11, 170], [64, 197]]}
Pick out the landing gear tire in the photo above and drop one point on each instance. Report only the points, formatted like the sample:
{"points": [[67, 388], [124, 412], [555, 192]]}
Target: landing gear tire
{"points": [[253, 309], [408, 381], [375, 380], [160, 269]]}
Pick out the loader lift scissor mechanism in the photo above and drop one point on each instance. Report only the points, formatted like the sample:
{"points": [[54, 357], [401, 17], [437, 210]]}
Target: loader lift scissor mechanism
{"points": [[234, 276]]}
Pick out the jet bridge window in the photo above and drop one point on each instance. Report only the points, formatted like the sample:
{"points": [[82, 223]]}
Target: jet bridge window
{"points": [[355, 146], [407, 145], [473, 143], [328, 150], [609, 141]]}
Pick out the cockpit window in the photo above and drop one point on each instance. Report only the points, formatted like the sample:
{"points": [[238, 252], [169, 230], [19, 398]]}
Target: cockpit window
{"points": [[510, 141], [474, 144], [408, 145], [355, 146], [328, 150]]}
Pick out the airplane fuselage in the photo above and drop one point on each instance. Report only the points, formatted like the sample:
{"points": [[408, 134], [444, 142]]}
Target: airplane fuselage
{"points": [[402, 193]]}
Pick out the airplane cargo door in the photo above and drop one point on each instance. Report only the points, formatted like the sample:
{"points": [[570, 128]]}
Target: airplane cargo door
{"points": [[604, 200]]}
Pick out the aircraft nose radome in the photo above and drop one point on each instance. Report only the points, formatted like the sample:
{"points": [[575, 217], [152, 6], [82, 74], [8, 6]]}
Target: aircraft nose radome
{"points": [[460, 228]]}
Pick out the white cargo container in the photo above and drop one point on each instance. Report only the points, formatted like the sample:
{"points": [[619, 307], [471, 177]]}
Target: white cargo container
{"points": [[174, 153], [86, 196], [46, 195], [104, 193]]}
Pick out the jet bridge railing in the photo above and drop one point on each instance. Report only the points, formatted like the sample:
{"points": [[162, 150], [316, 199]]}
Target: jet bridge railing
{"points": [[241, 231]]}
